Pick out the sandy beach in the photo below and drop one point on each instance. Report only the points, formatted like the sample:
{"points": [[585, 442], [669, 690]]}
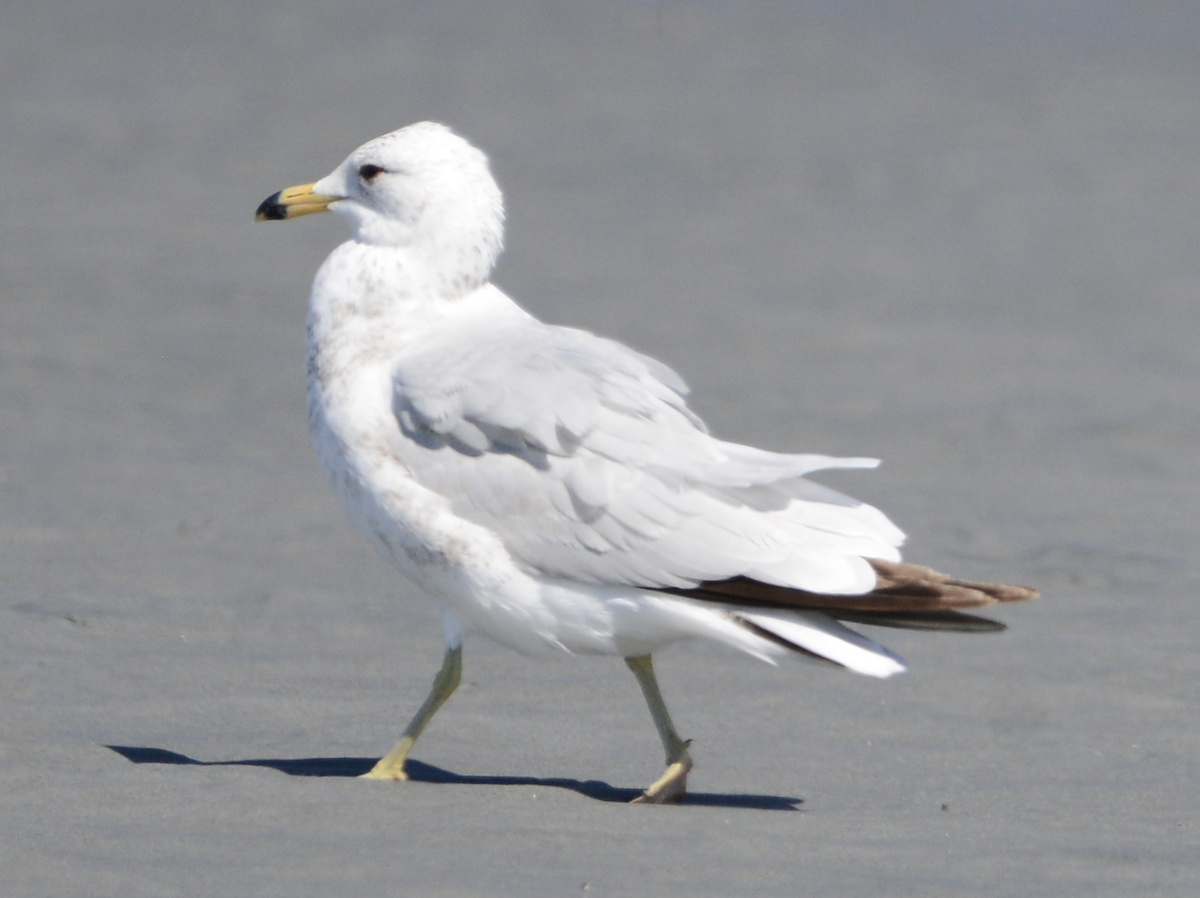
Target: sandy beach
{"points": [[962, 240]]}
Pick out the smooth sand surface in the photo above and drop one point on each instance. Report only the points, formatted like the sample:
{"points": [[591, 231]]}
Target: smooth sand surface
{"points": [[960, 237]]}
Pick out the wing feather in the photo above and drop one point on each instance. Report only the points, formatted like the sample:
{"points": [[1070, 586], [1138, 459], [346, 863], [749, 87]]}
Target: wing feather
{"points": [[583, 457]]}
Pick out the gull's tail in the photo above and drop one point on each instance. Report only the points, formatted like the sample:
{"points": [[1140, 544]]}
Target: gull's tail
{"points": [[906, 596]]}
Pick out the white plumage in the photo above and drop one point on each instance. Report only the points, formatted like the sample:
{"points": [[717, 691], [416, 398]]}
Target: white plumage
{"points": [[542, 483]]}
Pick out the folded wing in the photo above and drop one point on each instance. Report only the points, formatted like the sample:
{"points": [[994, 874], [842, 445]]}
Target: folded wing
{"points": [[582, 455]]}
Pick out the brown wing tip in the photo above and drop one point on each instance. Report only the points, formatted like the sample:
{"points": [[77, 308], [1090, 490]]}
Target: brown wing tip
{"points": [[900, 578], [1004, 592], [900, 587]]}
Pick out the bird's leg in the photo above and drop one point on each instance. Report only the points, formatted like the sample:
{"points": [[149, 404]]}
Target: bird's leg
{"points": [[672, 785], [391, 766]]}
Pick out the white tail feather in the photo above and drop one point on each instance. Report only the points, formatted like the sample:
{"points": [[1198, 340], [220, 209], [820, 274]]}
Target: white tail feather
{"points": [[822, 635]]}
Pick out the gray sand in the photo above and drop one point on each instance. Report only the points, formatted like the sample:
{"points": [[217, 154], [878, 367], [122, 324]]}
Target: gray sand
{"points": [[961, 239]]}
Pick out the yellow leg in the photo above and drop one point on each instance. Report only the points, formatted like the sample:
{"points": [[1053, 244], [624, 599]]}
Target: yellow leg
{"points": [[391, 766], [672, 785]]}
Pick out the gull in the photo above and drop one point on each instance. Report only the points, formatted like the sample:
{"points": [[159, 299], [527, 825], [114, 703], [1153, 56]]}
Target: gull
{"points": [[550, 488]]}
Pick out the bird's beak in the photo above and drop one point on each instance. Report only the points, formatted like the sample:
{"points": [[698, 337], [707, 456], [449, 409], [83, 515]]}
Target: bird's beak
{"points": [[293, 202]]}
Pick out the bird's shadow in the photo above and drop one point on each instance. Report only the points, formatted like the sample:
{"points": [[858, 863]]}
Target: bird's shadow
{"points": [[420, 772]]}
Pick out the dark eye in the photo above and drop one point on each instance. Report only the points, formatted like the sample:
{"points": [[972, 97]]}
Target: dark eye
{"points": [[370, 172]]}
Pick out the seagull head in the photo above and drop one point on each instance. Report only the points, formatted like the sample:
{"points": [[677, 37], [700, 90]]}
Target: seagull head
{"points": [[421, 189]]}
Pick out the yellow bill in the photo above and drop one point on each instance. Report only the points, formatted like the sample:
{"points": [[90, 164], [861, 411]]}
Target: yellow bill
{"points": [[293, 202]]}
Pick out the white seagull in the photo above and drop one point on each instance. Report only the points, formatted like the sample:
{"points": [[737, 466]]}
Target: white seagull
{"points": [[550, 488]]}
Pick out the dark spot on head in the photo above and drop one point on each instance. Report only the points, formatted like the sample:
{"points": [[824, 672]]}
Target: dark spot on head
{"points": [[370, 172]]}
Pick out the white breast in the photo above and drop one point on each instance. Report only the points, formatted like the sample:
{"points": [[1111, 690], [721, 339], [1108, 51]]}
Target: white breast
{"points": [[354, 346]]}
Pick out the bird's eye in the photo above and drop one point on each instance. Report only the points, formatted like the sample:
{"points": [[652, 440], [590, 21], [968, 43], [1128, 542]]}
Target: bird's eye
{"points": [[370, 172]]}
